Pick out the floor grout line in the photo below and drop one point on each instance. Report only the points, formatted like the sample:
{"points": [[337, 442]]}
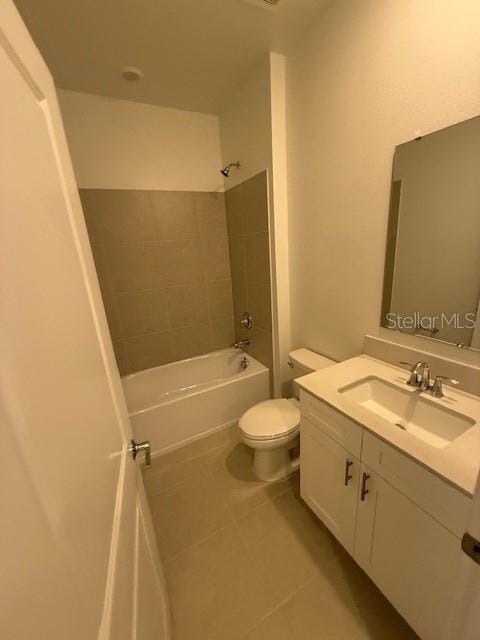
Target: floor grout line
{"points": [[234, 522], [281, 604], [197, 543]]}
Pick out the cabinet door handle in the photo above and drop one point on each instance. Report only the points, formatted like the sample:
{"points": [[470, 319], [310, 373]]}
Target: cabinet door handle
{"points": [[364, 489], [348, 477]]}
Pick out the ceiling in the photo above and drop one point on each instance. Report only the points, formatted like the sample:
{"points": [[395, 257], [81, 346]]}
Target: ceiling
{"points": [[193, 53]]}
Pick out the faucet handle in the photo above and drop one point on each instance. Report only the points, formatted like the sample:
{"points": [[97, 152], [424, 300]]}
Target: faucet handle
{"points": [[437, 385]]}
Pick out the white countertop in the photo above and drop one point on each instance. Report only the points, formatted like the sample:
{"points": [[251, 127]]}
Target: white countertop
{"points": [[458, 463]]}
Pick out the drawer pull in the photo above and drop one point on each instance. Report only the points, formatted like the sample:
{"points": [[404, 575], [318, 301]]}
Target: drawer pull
{"points": [[348, 476], [364, 489]]}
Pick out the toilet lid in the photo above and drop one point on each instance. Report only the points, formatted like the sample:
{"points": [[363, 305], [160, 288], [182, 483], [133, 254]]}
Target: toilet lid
{"points": [[271, 419]]}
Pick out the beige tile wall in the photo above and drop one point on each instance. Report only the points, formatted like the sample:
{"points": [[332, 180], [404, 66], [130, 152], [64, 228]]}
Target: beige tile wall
{"points": [[164, 269], [248, 239]]}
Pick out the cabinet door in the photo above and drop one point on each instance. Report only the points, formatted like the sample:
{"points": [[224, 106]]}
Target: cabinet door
{"points": [[409, 555], [329, 477]]}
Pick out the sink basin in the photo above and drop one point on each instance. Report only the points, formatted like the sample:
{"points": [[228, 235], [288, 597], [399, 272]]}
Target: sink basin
{"points": [[409, 410]]}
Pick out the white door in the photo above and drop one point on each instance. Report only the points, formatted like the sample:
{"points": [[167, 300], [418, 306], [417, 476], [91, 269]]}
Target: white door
{"points": [[77, 554], [409, 555], [329, 478]]}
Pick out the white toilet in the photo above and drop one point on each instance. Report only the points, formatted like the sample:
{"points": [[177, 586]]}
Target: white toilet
{"points": [[272, 428]]}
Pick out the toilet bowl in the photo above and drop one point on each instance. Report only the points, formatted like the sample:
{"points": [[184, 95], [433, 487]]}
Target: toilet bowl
{"points": [[272, 428]]}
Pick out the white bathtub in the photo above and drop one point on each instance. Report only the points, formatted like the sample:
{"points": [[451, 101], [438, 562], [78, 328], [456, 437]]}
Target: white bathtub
{"points": [[178, 402]]}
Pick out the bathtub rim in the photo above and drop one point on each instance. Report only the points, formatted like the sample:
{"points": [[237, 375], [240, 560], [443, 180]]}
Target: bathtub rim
{"points": [[202, 356], [198, 389]]}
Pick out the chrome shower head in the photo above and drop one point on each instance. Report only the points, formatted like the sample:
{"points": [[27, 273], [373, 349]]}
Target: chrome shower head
{"points": [[226, 170]]}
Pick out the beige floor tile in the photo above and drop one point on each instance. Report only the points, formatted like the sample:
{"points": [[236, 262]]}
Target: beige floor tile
{"points": [[351, 584], [274, 627], [288, 543], [324, 609], [215, 589], [161, 479], [315, 613], [379, 620], [216, 440], [236, 548], [189, 513], [244, 491]]}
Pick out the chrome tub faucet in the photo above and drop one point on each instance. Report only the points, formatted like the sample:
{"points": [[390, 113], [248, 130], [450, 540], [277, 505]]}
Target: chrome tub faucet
{"points": [[244, 342]]}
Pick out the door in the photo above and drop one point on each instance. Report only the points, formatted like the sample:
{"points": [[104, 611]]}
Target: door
{"points": [[329, 482], [77, 553], [409, 555]]}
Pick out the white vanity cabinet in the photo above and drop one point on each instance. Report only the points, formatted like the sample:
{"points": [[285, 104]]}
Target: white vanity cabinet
{"points": [[330, 492], [400, 522], [330, 467], [409, 555]]}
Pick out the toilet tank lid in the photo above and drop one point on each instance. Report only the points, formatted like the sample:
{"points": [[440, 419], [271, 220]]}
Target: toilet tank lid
{"points": [[310, 360]]}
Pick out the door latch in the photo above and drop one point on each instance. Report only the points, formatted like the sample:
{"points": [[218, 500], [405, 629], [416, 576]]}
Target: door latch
{"points": [[471, 546], [136, 448]]}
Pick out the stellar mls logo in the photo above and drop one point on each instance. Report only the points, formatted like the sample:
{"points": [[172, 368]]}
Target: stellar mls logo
{"points": [[431, 323]]}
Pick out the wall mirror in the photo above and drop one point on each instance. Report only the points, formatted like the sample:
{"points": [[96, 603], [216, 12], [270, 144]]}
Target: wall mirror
{"points": [[432, 265]]}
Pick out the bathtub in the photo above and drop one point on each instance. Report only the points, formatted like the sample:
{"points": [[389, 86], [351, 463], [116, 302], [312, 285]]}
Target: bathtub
{"points": [[179, 402]]}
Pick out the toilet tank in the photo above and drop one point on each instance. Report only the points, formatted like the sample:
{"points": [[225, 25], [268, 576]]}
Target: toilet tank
{"points": [[303, 361]]}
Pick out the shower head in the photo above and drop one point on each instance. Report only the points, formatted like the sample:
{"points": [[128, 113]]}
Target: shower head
{"points": [[226, 170]]}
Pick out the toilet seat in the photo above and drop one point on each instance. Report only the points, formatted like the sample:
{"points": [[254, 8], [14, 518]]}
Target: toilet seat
{"points": [[271, 419]]}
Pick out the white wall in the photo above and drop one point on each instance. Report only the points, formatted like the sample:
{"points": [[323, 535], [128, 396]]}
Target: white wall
{"points": [[368, 76], [117, 144], [279, 191], [246, 126]]}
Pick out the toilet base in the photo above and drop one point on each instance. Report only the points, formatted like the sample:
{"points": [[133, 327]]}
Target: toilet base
{"points": [[271, 465]]}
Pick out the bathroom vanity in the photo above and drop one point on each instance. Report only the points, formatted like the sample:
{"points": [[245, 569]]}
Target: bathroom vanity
{"points": [[390, 471]]}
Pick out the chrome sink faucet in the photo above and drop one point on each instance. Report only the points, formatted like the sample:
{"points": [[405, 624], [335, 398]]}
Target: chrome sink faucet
{"points": [[420, 379], [419, 375]]}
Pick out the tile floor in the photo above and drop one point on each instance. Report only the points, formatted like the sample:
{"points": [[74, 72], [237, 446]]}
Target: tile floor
{"points": [[247, 560]]}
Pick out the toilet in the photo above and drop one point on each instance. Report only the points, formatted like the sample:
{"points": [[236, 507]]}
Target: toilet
{"points": [[272, 428]]}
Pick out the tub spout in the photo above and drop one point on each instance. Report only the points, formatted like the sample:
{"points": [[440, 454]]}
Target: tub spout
{"points": [[244, 342]]}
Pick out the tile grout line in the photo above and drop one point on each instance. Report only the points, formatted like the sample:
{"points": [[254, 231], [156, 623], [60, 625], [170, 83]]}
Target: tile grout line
{"points": [[279, 605], [197, 543]]}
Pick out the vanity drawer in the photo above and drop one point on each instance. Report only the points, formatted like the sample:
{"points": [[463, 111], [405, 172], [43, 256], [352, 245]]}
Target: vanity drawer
{"points": [[334, 424], [445, 503]]}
